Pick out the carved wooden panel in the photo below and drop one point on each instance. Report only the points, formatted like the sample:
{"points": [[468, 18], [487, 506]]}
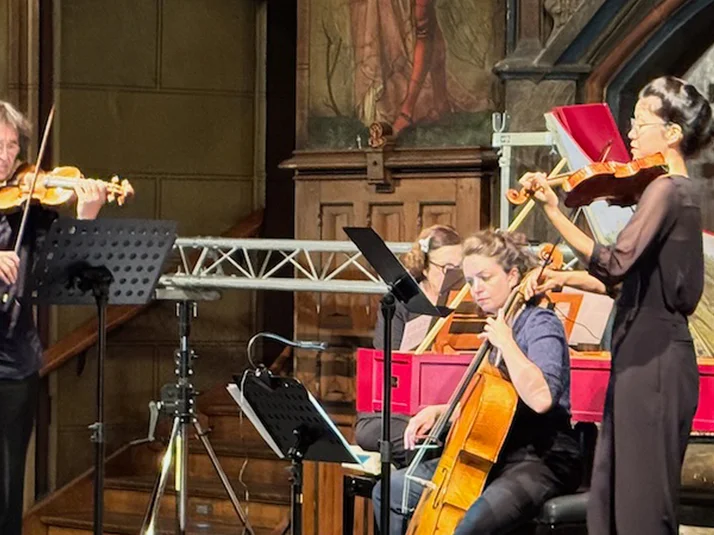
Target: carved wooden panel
{"points": [[435, 214], [389, 220]]}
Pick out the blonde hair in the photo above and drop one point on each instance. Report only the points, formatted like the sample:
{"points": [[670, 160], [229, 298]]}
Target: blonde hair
{"points": [[430, 239], [508, 248], [10, 116]]}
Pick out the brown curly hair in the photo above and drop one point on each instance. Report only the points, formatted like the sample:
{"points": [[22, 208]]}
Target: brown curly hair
{"points": [[434, 237], [508, 248]]}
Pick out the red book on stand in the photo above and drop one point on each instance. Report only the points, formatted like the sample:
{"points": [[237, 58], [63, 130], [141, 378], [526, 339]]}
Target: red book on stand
{"points": [[593, 128]]}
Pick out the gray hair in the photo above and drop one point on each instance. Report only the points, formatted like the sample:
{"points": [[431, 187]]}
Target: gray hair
{"points": [[9, 115]]}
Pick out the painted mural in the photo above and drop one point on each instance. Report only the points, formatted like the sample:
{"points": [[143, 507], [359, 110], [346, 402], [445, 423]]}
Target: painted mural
{"points": [[421, 66]]}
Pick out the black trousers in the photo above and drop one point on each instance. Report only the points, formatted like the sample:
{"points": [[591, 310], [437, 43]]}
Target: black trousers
{"points": [[651, 400], [515, 492], [18, 403], [368, 431]]}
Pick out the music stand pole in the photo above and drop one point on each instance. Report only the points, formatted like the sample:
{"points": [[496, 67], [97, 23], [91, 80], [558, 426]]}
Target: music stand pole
{"points": [[388, 308], [98, 280], [296, 455]]}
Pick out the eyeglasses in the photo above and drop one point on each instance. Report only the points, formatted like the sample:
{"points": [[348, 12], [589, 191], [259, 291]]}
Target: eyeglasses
{"points": [[445, 267], [634, 125]]}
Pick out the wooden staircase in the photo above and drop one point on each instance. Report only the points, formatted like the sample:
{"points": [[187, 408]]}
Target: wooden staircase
{"points": [[131, 473]]}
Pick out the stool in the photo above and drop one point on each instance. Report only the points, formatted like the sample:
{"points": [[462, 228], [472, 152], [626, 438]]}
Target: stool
{"points": [[563, 514], [355, 485]]}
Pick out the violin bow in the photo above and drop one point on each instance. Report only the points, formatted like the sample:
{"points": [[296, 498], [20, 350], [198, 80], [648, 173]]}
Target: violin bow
{"points": [[28, 202]]}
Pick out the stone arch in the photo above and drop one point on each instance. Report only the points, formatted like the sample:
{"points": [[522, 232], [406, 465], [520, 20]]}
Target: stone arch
{"points": [[672, 49]]}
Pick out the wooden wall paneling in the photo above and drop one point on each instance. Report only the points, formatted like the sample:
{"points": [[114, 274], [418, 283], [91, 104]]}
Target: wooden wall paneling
{"points": [[336, 375], [330, 484], [471, 207], [339, 314], [334, 314], [412, 221], [436, 213], [307, 227], [388, 219], [307, 213], [310, 489]]}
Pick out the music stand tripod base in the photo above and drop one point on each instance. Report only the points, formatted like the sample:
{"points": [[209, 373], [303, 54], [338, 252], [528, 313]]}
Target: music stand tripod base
{"points": [[101, 262], [179, 400]]}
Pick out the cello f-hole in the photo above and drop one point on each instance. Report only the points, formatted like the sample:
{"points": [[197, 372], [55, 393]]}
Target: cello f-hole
{"points": [[441, 491]]}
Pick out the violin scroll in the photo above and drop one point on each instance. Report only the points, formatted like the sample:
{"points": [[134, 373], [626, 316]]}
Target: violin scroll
{"points": [[119, 191], [518, 197], [551, 256]]}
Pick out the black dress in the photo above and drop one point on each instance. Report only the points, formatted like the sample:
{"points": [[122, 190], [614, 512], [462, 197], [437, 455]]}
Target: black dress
{"points": [[654, 385]]}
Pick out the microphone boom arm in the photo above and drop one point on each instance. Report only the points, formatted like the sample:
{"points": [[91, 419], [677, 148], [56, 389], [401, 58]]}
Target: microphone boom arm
{"points": [[300, 344]]}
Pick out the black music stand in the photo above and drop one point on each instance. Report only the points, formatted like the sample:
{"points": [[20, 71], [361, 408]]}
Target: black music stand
{"points": [[102, 262], [404, 288], [296, 425]]}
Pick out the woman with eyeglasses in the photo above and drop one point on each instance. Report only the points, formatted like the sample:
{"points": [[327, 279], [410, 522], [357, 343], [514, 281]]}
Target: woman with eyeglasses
{"points": [[657, 268], [540, 457], [437, 250]]}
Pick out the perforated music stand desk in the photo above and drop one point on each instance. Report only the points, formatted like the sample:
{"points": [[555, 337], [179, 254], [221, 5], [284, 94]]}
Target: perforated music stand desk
{"points": [[102, 262], [297, 427]]}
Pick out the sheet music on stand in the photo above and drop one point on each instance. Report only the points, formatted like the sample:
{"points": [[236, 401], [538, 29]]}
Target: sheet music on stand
{"points": [[277, 405]]}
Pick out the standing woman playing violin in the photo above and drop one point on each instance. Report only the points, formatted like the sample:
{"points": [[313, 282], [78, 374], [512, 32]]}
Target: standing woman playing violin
{"points": [[20, 348], [658, 260]]}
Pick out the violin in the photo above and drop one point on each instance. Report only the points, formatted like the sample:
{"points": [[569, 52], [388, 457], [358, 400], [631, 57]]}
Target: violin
{"points": [[620, 184], [54, 188]]}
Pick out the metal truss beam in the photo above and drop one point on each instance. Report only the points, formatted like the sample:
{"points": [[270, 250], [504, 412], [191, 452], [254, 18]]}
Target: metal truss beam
{"points": [[287, 265]]}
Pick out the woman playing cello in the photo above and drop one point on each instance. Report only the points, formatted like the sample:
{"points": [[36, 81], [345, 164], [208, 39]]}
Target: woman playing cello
{"points": [[540, 457], [658, 260]]}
